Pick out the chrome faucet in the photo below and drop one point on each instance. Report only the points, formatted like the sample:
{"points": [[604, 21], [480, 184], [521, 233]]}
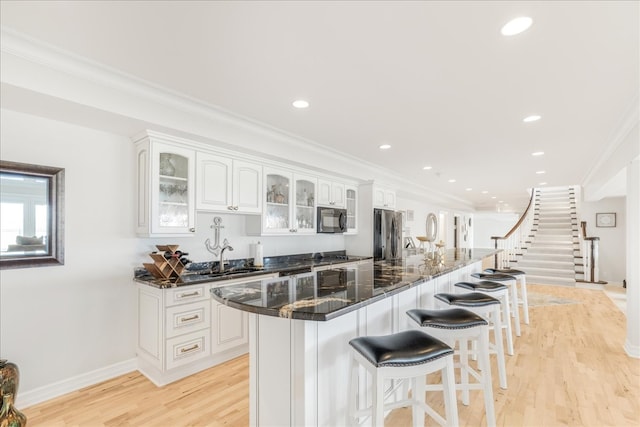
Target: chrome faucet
{"points": [[225, 246]]}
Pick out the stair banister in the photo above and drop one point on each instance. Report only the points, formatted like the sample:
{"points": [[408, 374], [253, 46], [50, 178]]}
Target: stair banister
{"points": [[511, 242], [590, 249]]}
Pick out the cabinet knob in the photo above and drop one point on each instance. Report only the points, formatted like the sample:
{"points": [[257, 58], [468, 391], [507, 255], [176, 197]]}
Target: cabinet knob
{"points": [[230, 208], [235, 208], [193, 230]]}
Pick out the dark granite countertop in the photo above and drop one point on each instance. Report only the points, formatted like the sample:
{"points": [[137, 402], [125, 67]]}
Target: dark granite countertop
{"points": [[243, 268], [325, 295]]}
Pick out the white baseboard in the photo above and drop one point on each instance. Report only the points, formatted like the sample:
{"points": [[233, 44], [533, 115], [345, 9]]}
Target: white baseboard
{"points": [[40, 394], [632, 350]]}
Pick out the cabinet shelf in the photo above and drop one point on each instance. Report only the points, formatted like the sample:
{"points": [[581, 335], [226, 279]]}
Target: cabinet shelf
{"points": [[174, 203], [173, 178], [277, 204]]}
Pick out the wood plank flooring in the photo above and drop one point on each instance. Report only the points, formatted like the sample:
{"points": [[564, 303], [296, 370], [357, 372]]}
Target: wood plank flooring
{"points": [[569, 369]]}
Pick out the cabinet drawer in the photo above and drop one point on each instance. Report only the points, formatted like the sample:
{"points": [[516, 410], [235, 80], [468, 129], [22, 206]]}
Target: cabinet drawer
{"points": [[187, 294], [182, 319], [188, 348]]}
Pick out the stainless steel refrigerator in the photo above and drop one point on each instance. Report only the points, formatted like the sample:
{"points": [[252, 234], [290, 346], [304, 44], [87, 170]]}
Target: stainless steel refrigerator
{"points": [[387, 234]]}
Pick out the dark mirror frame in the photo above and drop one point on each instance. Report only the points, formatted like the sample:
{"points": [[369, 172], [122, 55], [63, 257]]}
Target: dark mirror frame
{"points": [[55, 203]]}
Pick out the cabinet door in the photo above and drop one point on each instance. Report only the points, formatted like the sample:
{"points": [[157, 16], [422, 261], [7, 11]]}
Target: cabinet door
{"points": [[337, 194], [330, 193], [390, 199], [247, 187], [351, 204], [378, 197], [214, 182], [277, 206], [229, 328], [305, 209], [172, 193], [324, 193]]}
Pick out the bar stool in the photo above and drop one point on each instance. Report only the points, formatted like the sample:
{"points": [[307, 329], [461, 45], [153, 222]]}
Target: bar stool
{"points": [[489, 308], [521, 276], [460, 326], [500, 292], [513, 288], [411, 355]]}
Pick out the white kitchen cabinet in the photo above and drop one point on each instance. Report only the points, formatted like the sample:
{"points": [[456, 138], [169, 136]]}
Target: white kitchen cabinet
{"points": [[183, 330], [289, 204], [229, 328], [331, 193], [165, 188], [384, 198], [351, 204], [225, 184]]}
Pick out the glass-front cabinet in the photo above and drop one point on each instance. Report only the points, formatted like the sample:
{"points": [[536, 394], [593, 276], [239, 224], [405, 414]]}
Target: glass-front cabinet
{"points": [[165, 189], [351, 204], [289, 203]]}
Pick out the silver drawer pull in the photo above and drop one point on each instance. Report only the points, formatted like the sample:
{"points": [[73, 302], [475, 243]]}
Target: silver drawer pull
{"points": [[190, 294], [187, 319], [192, 348]]}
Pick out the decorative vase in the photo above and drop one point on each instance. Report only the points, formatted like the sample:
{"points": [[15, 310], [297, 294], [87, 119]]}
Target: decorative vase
{"points": [[9, 381]]}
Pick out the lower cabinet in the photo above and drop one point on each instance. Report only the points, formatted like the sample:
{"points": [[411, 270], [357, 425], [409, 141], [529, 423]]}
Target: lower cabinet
{"points": [[183, 330]]}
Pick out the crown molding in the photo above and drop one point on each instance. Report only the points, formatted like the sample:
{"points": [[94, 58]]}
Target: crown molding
{"points": [[80, 68]]}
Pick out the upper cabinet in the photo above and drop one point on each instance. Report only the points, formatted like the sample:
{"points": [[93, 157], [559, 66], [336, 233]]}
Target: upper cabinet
{"points": [[384, 198], [166, 202], [289, 204], [351, 204], [229, 185], [331, 193]]}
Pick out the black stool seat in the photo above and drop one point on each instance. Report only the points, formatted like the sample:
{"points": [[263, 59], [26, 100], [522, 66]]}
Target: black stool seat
{"points": [[471, 299], [483, 286], [401, 349], [493, 276], [453, 318], [510, 271]]}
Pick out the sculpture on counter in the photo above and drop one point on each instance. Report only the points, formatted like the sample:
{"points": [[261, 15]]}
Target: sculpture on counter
{"points": [[9, 381]]}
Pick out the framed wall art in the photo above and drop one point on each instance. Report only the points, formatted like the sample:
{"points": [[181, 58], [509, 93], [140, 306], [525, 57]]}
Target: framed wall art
{"points": [[605, 220]]}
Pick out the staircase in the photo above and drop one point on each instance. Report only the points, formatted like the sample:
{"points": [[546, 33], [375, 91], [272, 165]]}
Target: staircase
{"points": [[551, 254]]}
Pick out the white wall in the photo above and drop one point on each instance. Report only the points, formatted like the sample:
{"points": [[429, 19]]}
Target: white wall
{"points": [[612, 239], [59, 322], [492, 224]]}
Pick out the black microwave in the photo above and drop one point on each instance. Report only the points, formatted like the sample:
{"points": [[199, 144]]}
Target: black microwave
{"points": [[332, 220]]}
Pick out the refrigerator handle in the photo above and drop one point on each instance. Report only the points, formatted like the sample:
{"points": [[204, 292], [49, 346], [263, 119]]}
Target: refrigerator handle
{"points": [[394, 240]]}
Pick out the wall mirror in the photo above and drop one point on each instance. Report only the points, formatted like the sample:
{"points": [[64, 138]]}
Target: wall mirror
{"points": [[31, 215], [432, 227]]}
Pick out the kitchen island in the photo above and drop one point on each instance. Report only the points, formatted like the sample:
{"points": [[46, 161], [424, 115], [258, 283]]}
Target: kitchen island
{"points": [[300, 327]]}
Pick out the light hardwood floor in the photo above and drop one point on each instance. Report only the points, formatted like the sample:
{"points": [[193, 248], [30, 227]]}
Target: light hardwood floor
{"points": [[569, 369]]}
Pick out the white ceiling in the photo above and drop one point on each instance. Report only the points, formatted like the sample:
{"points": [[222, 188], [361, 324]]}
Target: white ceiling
{"points": [[436, 80]]}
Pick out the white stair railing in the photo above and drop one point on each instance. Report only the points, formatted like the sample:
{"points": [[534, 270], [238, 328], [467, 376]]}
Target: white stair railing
{"points": [[510, 245]]}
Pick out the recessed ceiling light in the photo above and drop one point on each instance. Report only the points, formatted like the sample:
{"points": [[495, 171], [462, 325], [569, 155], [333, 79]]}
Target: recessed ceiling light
{"points": [[493, 197], [484, 191], [385, 146], [427, 167], [538, 153], [543, 183], [500, 201], [530, 119], [452, 180], [300, 103], [540, 172], [516, 26], [468, 189]]}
